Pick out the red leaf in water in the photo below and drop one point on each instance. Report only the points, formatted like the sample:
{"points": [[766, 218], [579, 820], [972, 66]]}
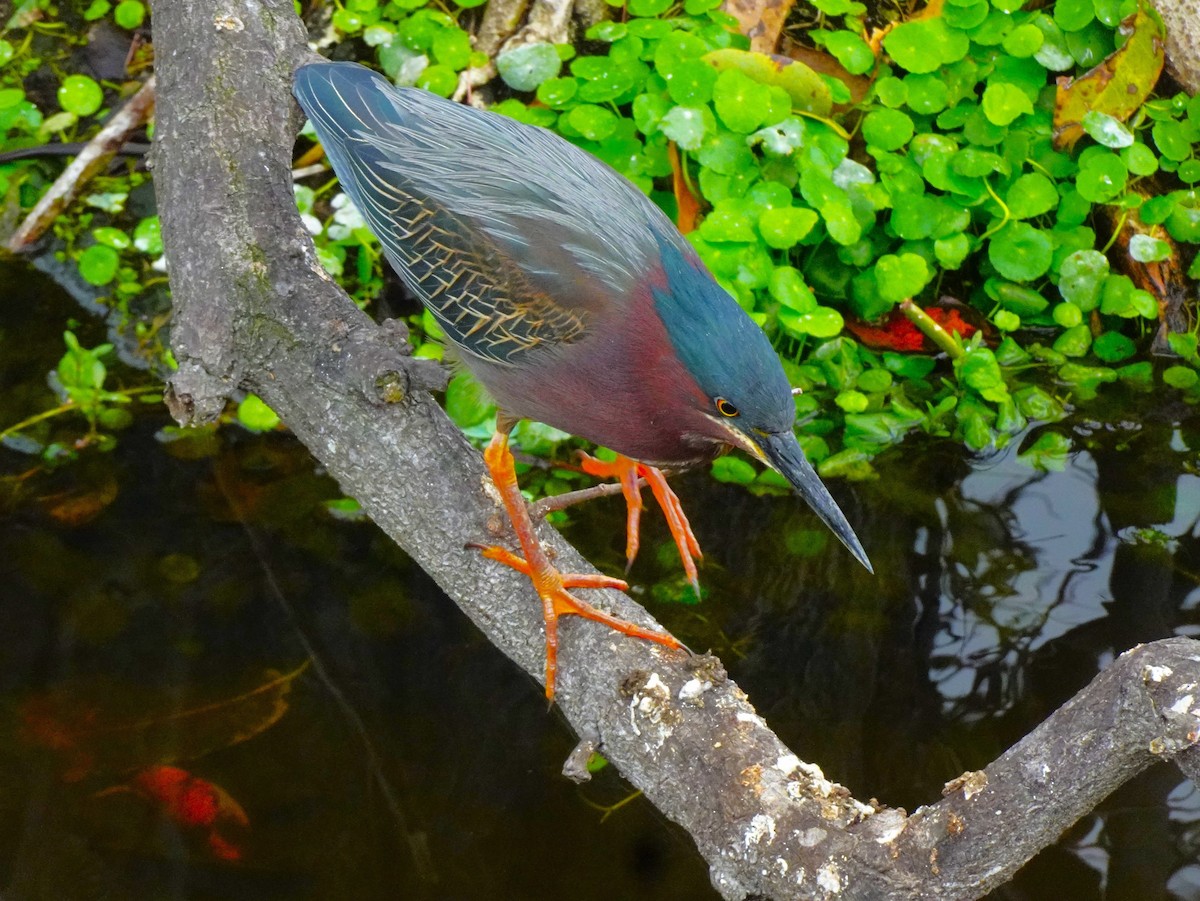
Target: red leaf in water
{"points": [[895, 331]]}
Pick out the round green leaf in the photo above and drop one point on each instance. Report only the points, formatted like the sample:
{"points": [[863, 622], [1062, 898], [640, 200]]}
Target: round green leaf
{"points": [[1102, 178], [147, 236], [887, 129], [6, 52], [687, 125], [593, 122], [524, 68], [452, 47], [1140, 159], [112, 237], [1182, 377], [1148, 249], [691, 82], [80, 95], [1033, 194], [1074, 15], [1081, 278], [1003, 103], [1067, 314], [1006, 321], [440, 80], [1024, 40], [129, 14], [1020, 252], [1074, 342], [1113, 347], [1106, 130], [557, 92], [901, 276], [733, 470], [255, 415], [783, 227], [98, 265], [1172, 139], [740, 101], [851, 51]]}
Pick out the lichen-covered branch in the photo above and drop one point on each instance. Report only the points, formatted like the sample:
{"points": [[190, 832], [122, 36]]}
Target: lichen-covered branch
{"points": [[253, 309]]}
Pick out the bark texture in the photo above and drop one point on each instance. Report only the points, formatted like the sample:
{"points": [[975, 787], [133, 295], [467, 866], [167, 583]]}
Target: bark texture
{"points": [[253, 309]]}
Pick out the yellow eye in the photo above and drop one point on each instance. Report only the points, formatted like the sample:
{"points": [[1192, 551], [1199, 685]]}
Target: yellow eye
{"points": [[725, 408]]}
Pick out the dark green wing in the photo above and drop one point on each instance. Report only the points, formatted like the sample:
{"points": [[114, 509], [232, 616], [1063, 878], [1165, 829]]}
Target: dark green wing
{"points": [[504, 230]]}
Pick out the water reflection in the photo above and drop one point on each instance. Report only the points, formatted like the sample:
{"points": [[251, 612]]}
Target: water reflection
{"points": [[149, 629]]}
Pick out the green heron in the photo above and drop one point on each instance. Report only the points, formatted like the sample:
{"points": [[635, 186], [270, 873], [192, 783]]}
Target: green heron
{"points": [[571, 298]]}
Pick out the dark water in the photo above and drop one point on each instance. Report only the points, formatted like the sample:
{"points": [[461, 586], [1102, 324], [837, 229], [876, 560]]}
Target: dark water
{"points": [[157, 601]]}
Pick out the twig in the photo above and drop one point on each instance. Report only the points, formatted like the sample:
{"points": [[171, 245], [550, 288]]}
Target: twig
{"points": [[93, 158]]}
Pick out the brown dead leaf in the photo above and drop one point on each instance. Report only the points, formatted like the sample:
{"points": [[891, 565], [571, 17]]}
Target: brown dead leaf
{"points": [[760, 20], [1164, 279], [688, 215]]}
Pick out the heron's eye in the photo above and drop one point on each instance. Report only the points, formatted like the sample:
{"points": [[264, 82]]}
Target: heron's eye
{"points": [[725, 408]]}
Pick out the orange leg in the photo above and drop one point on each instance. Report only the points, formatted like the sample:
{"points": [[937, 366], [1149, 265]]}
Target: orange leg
{"points": [[551, 585], [628, 472]]}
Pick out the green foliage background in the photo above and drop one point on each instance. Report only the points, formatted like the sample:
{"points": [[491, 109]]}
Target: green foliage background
{"points": [[944, 179]]}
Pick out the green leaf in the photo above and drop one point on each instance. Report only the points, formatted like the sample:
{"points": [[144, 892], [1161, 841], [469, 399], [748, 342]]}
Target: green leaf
{"points": [[593, 122], [147, 236], [438, 79], [979, 370], [1024, 40], [1003, 103], [1020, 252], [112, 237], [783, 227], [902, 276], [80, 95], [452, 47], [733, 470], [850, 50], [1148, 249], [129, 14], [255, 415], [690, 83], [925, 45], [1048, 453], [1182, 377], [524, 68], [687, 126], [1102, 178], [1112, 347], [1106, 130], [739, 101], [1032, 194], [97, 9], [1081, 278], [98, 265], [1074, 342], [467, 404], [887, 129], [820, 322]]}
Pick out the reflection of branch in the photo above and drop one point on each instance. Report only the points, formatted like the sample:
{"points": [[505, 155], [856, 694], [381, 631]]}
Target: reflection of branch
{"points": [[91, 159], [254, 309]]}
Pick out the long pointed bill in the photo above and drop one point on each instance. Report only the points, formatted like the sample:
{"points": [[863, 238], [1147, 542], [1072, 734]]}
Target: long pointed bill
{"points": [[784, 454]]}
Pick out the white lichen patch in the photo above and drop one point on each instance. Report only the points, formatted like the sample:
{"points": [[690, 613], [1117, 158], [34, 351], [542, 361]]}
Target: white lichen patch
{"points": [[752, 718], [1183, 705], [787, 764], [762, 826], [1156, 673], [693, 690], [816, 778], [652, 702], [829, 878], [811, 837]]}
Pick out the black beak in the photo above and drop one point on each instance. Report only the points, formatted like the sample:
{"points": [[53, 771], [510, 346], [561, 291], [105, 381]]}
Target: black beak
{"points": [[784, 454]]}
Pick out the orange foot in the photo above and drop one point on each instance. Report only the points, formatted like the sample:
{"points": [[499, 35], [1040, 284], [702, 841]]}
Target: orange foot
{"points": [[551, 584], [628, 472]]}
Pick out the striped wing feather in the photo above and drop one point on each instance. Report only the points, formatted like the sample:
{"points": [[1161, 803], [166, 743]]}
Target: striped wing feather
{"points": [[504, 230]]}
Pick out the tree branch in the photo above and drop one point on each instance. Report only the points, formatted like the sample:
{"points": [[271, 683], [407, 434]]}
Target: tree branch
{"points": [[253, 309]]}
